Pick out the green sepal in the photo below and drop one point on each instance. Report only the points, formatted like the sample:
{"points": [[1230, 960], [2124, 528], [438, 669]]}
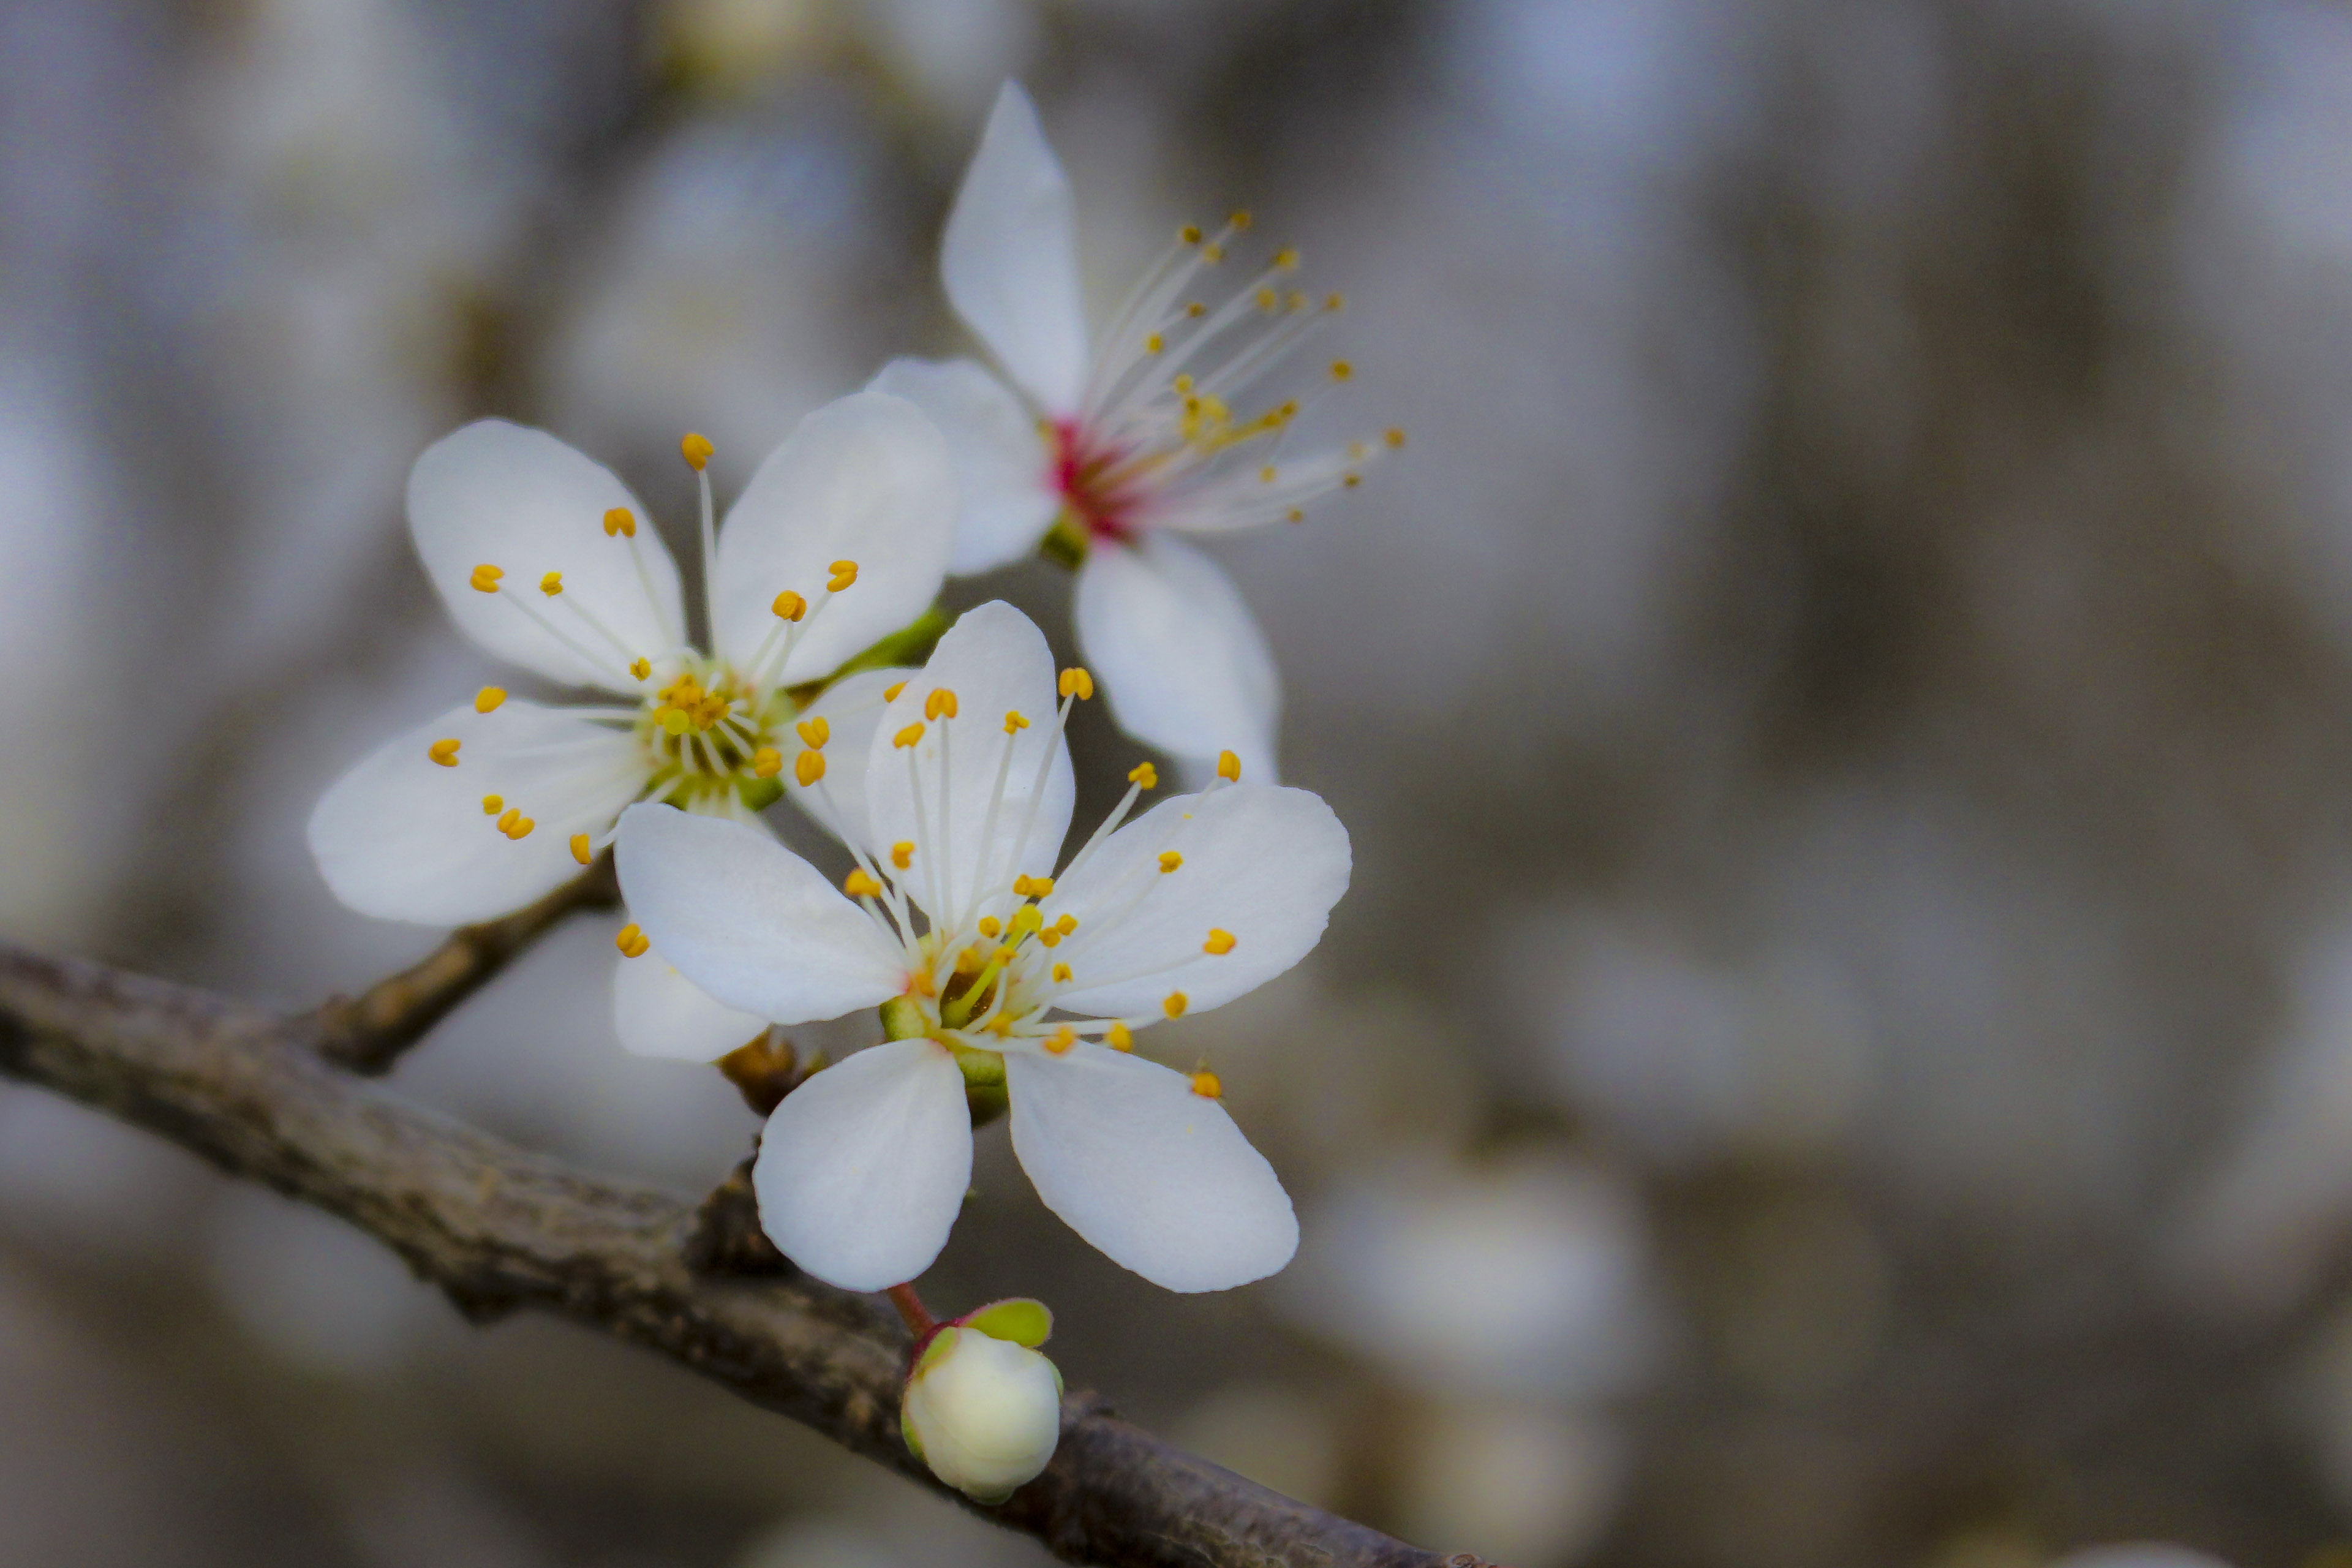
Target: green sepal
{"points": [[1017, 1319], [1065, 543], [941, 1342], [907, 1431], [986, 1103], [980, 1069], [758, 794], [902, 1019]]}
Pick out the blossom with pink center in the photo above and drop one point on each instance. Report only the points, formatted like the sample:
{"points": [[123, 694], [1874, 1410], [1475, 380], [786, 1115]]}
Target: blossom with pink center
{"points": [[1167, 427]]}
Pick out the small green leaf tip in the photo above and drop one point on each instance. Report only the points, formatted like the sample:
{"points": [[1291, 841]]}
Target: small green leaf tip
{"points": [[941, 1342], [1017, 1319]]}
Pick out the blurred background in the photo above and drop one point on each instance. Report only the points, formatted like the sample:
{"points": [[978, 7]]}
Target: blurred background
{"points": [[1840, 1047]]}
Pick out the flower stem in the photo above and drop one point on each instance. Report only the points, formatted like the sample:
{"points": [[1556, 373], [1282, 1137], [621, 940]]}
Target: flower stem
{"points": [[919, 1321]]}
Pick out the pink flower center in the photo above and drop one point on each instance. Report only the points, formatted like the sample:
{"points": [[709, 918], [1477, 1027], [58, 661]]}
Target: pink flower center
{"points": [[1097, 482]]}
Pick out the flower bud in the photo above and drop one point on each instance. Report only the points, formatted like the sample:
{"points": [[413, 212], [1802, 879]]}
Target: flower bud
{"points": [[983, 1407]]}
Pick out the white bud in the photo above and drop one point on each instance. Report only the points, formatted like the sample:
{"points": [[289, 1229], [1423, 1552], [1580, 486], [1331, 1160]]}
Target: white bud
{"points": [[983, 1412]]}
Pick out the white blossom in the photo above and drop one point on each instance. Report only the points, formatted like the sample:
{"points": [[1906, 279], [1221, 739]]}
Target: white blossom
{"points": [[999, 975], [1149, 436], [984, 1412], [542, 557]]}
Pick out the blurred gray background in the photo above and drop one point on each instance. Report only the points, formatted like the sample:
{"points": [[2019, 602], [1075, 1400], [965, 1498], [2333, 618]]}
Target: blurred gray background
{"points": [[1839, 1051]]}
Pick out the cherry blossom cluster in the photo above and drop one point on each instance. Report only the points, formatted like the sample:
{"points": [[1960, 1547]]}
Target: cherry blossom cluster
{"points": [[1005, 975]]}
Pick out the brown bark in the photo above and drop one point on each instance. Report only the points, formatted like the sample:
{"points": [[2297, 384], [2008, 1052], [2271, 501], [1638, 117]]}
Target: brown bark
{"points": [[497, 1228]]}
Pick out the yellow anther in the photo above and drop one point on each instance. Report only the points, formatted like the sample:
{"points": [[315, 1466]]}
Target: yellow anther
{"points": [[551, 584], [790, 605], [1076, 679], [488, 697], [620, 521], [902, 853], [940, 704], [1025, 920], [1336, 302], [1295, 515], [493, 804], [630, 942], [1061, 1039], [1212, 253], [890, 693], [1169, 860], [1014, 723], [1181, 384], [1049, 936], [1395, 438], [696, 449], [1350, 482], [1240, 219], [1295, 302], [1174, 1005], [1062, 974], [908, 736], [515, 825], [1189, 234], [808, 767], [1119, 1037], [814, 733], [991, 927], [641, 667], [580, 850], [860, 884], [1033, 886], [1152, 344], [1000, 1025], [1285, 259], [767, 761], [1268, 299], [1219, 942], [1265, 475], [1229, 767], [486, 578], [444, 752], [1144, 775], [1341, 370], [1066, 924], [969, 961], [1206, 1084], [845, 573], [922, 984], [1196, 310]]}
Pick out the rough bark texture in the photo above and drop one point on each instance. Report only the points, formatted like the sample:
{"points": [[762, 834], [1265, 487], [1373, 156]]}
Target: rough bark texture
{"points": [[499, 1228]]}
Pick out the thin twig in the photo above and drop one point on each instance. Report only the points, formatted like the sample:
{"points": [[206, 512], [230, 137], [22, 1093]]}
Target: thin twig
{"points": [[369, 1033], [497, 1228]]}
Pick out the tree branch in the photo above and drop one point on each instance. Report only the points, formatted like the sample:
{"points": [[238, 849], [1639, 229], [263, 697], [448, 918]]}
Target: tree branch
{"points": [[370, 1033], [497, 1228]]}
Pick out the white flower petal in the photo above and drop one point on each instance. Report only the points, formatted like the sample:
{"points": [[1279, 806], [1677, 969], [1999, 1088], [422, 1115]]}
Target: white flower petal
{"points": [[1008, 498], [1011, 258], [1179, 654], [864, 479], [749, 921], [852, 710], [403, 838], [995, 661], [1261, 863], [501, 495], [863, 1168], [1156, 1176], [657, 1012]]}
